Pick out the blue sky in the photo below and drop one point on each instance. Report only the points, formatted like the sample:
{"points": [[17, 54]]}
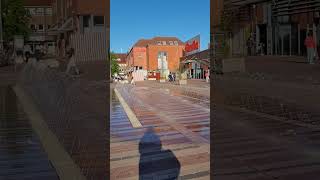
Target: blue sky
{"points": [[132, 20]]}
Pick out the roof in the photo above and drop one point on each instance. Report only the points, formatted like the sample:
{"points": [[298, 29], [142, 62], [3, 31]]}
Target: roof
{"points": [[155, 40], [142, 43], [202, 56], [38, 2], [122, 57]]}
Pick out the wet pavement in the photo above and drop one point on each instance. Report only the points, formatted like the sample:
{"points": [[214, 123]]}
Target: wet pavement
{"points": [[179, 126], [21, 153]]}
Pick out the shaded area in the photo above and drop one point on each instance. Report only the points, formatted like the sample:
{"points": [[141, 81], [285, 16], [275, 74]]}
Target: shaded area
{"points": [[21, 153], [156, 163], [267, 134]]}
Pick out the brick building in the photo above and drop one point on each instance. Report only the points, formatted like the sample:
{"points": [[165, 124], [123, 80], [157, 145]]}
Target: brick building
{"points": [[86, 20], [79, 15], [156, 54], [41, 20]]}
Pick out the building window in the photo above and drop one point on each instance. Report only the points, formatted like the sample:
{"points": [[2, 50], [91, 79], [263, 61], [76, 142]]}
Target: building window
{"points": [[162, 60], [164, 43], [32, 11], [159, 43], [49, 26], [170, 43], [39, 11], [98, 20], [49, 11], [86, 21], [40, 27], [33, 27], [176, 43]]}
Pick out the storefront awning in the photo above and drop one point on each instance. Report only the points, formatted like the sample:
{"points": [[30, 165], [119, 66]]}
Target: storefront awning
{"points": [[66, 26], [201, 61]]}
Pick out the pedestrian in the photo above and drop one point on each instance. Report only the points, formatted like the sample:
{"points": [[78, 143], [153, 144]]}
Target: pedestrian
{"points": [[27, 52], [174, 77], [207, 76], [132, 80], [310, 45], [72, 62]]}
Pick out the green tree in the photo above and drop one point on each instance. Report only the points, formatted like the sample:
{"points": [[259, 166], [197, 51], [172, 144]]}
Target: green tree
{"points": [[15, 19], [115, 68]]}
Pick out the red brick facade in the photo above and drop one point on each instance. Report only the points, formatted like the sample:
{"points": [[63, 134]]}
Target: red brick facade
{"points": [[174, 55], [144, 54]]}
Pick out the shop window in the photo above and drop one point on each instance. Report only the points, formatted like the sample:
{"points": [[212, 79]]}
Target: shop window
{"points": [[98, 20]]}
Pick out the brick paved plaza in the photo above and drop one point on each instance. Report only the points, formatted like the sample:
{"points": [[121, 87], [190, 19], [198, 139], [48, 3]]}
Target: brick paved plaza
{"points": [[21, 153], [266, 125], [263, 128], [267, 121], [182, 127]]}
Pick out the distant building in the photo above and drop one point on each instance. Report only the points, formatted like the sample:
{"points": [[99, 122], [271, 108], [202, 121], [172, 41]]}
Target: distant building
{"points": [[121, 59], [156, 54], [41, 20]]}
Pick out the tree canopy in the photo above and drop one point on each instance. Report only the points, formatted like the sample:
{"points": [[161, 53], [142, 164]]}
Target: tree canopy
{"points": [[15, 19], [115, 68]]}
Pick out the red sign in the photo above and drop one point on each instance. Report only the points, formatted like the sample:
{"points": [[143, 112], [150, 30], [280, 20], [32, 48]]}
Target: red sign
{"points": [[193, 46]]}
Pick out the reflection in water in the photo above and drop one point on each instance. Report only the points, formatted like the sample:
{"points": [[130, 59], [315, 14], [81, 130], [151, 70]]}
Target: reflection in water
{"points": [[156, 163]]}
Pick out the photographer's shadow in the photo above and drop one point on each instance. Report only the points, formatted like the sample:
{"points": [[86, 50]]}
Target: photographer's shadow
{"points": [[156, 163]]}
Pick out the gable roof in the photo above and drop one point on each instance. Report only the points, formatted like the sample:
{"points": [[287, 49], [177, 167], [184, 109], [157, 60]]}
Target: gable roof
{"points": [[122, 57]]}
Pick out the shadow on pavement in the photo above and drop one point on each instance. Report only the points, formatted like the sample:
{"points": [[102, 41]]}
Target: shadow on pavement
{"points": [[156, 163]]}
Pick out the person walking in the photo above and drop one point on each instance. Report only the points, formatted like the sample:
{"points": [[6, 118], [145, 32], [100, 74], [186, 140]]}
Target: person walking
{"points": [[72, 62], [310, 45], [207, 76], [27, 52], [132, 80]]}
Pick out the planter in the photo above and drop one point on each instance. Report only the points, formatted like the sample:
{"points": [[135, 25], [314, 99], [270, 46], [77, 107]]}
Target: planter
{"points": [[183, 82]]}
